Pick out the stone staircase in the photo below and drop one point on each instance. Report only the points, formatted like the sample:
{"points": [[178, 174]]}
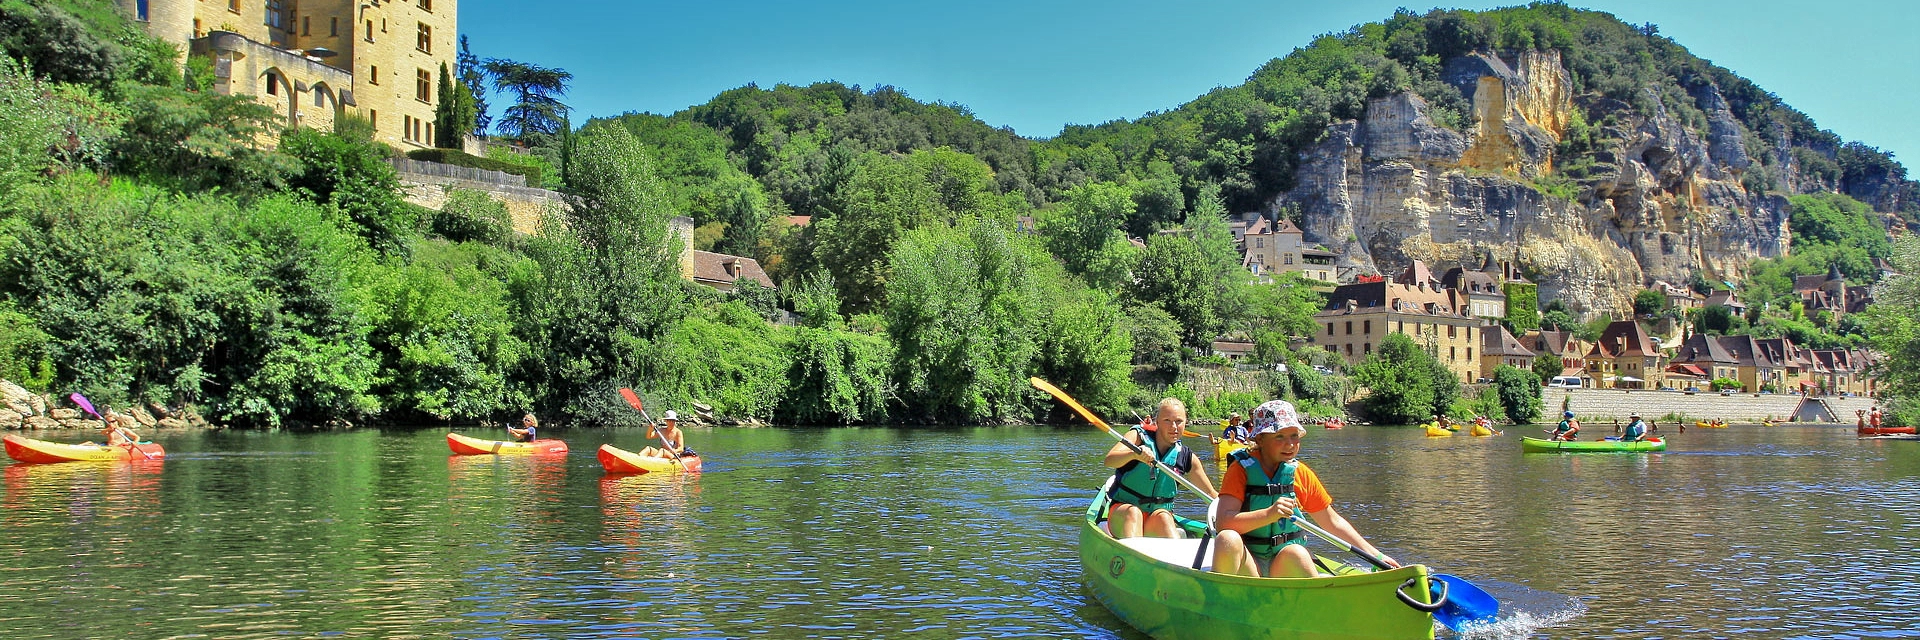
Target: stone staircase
{"points": [[1606, 404]]}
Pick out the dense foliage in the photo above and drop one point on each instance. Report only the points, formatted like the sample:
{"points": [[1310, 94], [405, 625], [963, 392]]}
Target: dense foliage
{"points": [[1519, 392], [1894, 323], [1406, 385]]}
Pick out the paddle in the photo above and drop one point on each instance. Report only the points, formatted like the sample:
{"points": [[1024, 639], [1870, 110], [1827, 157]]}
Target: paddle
{"points": [[88, 407], [1461, 602], [634, 399]]}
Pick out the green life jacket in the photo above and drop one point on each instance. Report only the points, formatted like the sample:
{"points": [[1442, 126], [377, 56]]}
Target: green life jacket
{"points": [[1143, 485], [1262, 492]]}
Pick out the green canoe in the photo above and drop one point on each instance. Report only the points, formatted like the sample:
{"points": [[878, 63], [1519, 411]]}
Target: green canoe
{"points": [[1537, 445], [1149, 583]]}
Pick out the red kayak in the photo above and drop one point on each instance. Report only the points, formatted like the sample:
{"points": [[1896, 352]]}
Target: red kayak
{"points": [[1885, 431], [27, 449], [617, 460]]}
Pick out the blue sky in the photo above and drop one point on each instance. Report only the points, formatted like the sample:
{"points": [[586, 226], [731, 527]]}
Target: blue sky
{"points": [[1854, 66]]}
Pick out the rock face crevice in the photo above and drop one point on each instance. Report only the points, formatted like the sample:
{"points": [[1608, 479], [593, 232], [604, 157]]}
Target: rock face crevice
{"points": [[1654, 199]]}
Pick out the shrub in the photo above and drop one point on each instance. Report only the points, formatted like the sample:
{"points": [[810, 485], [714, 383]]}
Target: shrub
{"points": [[1726, 384], [473, 216], [535, 175], [1519, 392]]}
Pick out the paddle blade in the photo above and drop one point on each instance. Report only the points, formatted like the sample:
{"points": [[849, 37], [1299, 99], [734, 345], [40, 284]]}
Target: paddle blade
{"points": [[1467, 603], [632, 398], [84, 405], [1070, 402]]}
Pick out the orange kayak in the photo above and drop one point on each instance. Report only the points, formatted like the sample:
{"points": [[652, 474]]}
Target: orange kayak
{"points": [[1865, 431], [466, 446], [40, 451], [617, 460]]}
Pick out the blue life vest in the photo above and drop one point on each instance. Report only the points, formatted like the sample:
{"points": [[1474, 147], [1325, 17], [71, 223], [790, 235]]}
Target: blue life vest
{"points": [[1635, 431], [1235, 433], [1262, 492], [1563, 427], [1142, 485]]}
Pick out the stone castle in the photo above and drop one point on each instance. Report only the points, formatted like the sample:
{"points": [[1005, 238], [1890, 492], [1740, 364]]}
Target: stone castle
{"points": [[313, 60]]}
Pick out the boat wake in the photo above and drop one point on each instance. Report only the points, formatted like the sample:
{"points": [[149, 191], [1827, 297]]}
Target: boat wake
{"points": [[1522, 617]]}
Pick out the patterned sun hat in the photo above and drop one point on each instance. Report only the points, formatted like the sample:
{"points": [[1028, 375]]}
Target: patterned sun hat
{"points": [[1274, 415]]}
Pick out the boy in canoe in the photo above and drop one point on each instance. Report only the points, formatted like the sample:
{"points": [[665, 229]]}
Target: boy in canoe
{"points": [[1265, 487], [1141, 493], [528, 425], [1235, 431], [674, 439]]}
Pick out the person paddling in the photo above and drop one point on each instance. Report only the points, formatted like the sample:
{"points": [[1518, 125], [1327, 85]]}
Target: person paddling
{"points": [[673, 439], [528, 425], [1141, 492], [1235, 431], [1265, 487], [1636, 429], [1567, 428], [116, 435]]}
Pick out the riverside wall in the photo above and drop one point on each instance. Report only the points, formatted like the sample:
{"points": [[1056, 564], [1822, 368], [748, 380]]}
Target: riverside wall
{"points": [[1607, 404]]}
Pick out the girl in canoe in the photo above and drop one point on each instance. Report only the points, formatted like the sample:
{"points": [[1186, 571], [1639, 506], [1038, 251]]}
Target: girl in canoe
{"points": [[528, 425], [1141, 493], [1265, 487], [672, 437]]}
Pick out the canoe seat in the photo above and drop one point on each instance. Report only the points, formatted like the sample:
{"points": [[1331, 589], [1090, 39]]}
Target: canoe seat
{"points": [[1178, 552]]}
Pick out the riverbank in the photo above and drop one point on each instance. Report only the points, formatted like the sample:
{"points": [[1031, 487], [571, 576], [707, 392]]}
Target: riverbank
{"points": [[1606, 404]]}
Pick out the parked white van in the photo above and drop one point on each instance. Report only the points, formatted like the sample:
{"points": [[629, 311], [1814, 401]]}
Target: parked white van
{"points": [[1565, 382]]}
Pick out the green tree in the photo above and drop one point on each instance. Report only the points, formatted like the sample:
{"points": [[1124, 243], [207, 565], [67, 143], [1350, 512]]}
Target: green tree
{"points": [[195, 142], [473, 75], [1085, 233], [962, 316], [473, 216], [1173, 275], [1546, 367], [1519, 393], [1648, 302], [1400, 382], [1894, 323], [1156, 337], [353, 177], [454, 113], [536, 109]]}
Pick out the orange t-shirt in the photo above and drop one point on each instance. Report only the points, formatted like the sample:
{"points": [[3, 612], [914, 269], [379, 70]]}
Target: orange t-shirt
{"points": [[1307, 490]]}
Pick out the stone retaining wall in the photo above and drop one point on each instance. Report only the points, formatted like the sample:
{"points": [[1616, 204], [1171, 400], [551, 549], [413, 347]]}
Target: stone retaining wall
{"points": [[1607, 404], [527, 205]]}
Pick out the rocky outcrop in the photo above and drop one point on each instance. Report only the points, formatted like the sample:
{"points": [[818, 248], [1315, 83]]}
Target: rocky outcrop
{"points": [[1657, 200], [23, 409]]}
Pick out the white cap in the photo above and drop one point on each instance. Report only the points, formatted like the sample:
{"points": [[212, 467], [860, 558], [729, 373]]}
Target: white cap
{"points": [[671, 415], [1274, 415]]}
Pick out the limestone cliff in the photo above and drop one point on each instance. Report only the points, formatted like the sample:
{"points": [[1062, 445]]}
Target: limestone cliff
{"points": [[1654, 199]]}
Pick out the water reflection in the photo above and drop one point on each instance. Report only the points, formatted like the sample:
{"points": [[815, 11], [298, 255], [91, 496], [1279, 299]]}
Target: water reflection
{"points": [[878, 533]]}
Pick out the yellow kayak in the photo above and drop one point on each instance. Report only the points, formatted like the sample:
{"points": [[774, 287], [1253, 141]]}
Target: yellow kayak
{"points": [[1710, 425], [1480, 432], [1223, 448], [1434, 430]]}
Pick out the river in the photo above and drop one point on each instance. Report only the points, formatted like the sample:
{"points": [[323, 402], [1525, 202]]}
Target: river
{"points": [[1763, 532]]}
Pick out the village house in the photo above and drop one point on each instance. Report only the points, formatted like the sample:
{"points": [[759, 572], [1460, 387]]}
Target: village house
{"points": [[1234, 350], [1358, 316], [1732, 357], [1830, 293], [718, 270], [1678, 297], [314, 60], [1272, 246], [1625, 357], [1498, 347], [1726, 298], [1571, 351]]}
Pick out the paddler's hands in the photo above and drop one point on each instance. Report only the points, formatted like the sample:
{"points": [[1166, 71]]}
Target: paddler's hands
{"points": [[1390, 561], [1281, 508]]}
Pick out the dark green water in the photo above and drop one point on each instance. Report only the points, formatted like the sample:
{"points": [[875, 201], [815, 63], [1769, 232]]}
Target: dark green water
{"points": [[1781, 532]]}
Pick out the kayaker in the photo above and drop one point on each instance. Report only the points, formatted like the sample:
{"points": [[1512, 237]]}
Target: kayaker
{"points": [[1234, 431], [1567, 428], [1875, 417], [528, 425], [1141, 493], [1264, 488], [117, 435], [674, 440], [1636, 429]]}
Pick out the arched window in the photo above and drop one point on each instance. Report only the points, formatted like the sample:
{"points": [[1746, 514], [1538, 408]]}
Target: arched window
{"points": [[273, 83]]}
